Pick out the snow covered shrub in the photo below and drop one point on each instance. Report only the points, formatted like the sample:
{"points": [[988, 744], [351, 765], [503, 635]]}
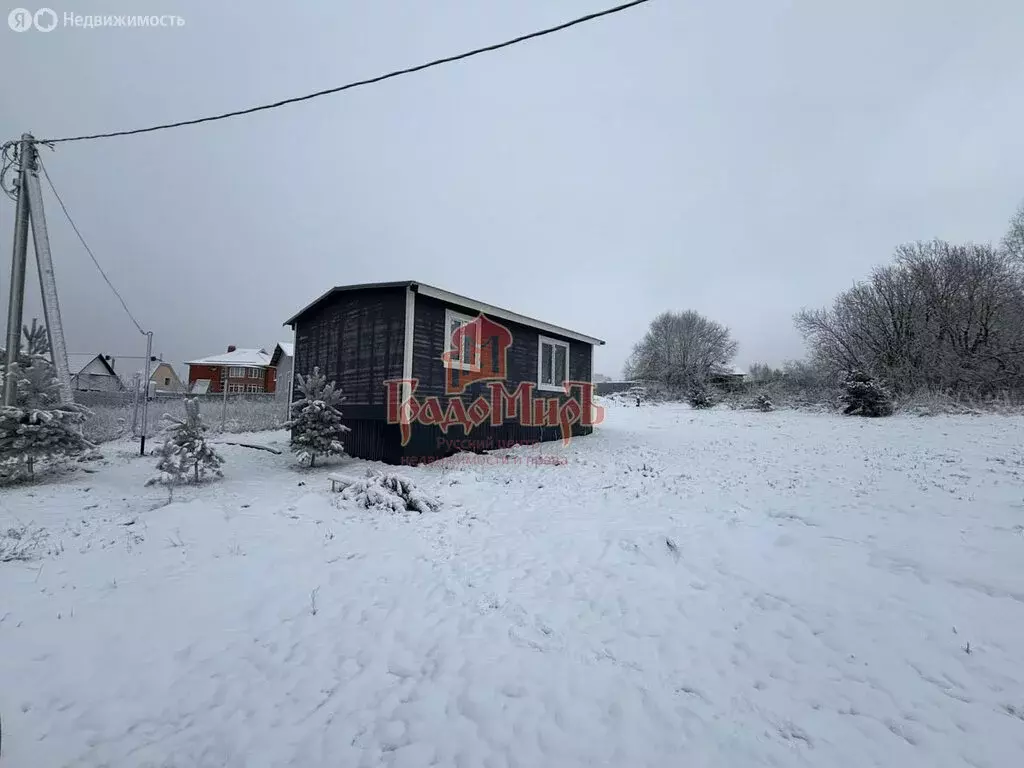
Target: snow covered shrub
{"points": [[700, 397], [762, 403], [316, 418], [21, 544], [865, 396], [38, 426], [389, 491], [185, 456]]}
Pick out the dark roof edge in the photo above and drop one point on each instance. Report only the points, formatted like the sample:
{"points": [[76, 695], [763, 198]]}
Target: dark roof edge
{"points": [[451, 298], [342, 289]]}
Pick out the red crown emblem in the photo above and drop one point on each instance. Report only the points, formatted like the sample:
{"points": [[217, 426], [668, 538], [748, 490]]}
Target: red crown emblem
{"points": [[477, 352]]}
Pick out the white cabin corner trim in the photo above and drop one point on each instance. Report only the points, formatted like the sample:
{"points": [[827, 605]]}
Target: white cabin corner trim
{"points": [[407, 353]]}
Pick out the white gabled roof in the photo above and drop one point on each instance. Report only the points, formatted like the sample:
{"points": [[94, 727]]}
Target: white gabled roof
{"points": [[287, 347], [76, 363], [251, 357]]}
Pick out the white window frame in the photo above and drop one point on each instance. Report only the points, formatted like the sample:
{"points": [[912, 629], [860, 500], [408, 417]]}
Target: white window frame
{"points": [[236, 372], [255, 373], [252, 389], [541, 342], [459, 365]]}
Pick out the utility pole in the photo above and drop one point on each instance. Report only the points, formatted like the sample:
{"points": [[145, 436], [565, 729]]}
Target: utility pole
{"points": [[47, 277], [30, 211], [19, 261], [224, 410], [145, 384], [135, 403]]}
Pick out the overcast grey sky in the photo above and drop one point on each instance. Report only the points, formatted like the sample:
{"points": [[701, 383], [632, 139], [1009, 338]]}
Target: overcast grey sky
{"points": [[743, 159]]}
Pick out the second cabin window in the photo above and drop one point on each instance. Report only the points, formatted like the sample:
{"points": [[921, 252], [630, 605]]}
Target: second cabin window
{"points": [[552, 363]]}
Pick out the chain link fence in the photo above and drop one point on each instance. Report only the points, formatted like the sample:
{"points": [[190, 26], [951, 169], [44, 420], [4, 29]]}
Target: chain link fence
{"points": [[119, 415]]}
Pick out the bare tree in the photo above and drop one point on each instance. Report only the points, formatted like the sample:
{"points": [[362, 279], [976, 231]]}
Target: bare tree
{"points": [[1013, 241], [762, 373], [681, 349], [942, 317]]}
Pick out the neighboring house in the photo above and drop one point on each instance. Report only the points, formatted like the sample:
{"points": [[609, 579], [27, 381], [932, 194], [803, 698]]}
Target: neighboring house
{"points": [[165, 380], [281, 360], [727, 377], [389, 344], [94, 373], [247, 371]]}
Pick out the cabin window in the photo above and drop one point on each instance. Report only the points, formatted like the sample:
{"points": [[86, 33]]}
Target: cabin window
{"points": [[463, 349], [552, 363]]}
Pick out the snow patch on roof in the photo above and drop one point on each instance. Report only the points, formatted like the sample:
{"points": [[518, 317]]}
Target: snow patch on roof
{"points": [[287, 347], [238, 357]]}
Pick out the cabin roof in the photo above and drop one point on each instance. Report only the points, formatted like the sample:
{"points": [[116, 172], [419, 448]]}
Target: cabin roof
{"points": [[449, 298]]}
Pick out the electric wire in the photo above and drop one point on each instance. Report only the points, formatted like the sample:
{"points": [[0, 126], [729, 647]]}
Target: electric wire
{"points": [[86, 245], [359, 83]]}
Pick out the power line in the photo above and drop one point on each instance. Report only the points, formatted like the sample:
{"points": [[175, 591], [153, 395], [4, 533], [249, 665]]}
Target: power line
{"points": [[85, 244], [359, 83]]}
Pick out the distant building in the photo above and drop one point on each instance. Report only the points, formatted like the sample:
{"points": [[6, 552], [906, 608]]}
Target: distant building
{"points": [[165, 380], [727, 377], [281, 360], [94, 373], [246, 371]]}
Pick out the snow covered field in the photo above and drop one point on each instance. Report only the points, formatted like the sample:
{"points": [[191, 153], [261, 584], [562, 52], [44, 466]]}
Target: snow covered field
{"points": [[690, 588]]}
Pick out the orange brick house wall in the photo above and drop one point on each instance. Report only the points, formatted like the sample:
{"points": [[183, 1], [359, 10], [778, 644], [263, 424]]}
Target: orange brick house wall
{"points": [[213, 373]]}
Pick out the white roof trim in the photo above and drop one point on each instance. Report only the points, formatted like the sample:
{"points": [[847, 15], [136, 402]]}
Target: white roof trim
{"points": [[498, 312]]}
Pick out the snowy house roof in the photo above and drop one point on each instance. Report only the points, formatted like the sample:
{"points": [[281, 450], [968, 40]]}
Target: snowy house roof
{"points": [[77, 363], [236, 357], [728, 370], [281, 350]]}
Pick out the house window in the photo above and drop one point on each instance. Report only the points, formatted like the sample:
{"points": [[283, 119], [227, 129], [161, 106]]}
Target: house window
{"points": [[552, 363], [167, 381], [255, 373], [253, 389], [463, 348], [236, 373]]}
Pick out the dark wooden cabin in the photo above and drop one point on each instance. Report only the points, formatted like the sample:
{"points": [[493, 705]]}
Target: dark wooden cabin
{"points": [[388, 344]]}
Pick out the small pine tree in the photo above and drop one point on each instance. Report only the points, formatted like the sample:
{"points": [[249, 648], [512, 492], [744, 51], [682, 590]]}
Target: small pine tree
{"points": [[865, 396], [185, 456], [316, 418], [38, 426], [763, 403], [700, 397]]}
